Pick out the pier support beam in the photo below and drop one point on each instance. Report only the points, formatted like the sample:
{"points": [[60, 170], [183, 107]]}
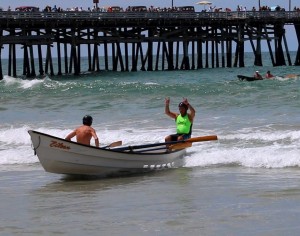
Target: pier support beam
{"points": [[279, 55], [239, 52], [229, 47], [297, 60], [186, 60], [257, 52], [1, 73]]}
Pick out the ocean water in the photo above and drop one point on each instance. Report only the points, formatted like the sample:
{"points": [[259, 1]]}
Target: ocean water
{"points": [[245, 183]]}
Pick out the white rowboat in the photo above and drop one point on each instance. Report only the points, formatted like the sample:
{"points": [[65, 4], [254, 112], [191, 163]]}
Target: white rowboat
{"points": [[60, 156]]}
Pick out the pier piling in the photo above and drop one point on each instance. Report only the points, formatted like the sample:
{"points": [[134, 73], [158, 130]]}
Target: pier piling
{"points": [[182, 41]]}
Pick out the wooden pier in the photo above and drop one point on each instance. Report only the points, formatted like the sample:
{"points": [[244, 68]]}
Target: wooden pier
{"points": [[124, 41]]}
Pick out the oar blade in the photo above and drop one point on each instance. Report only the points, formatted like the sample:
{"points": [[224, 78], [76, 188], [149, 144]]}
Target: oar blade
{"points": [[115, 144], [178, 146]]}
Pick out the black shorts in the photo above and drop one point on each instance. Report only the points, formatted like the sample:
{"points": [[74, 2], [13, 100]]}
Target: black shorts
{"points": [[174, 137]]}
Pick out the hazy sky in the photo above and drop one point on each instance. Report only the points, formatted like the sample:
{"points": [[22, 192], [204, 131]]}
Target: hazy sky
{"points": [[291, 36]]}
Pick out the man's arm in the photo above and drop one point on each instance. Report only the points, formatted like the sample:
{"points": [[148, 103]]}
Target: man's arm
{"points": [[167, 109], [71, 135], [95, 137], [97, 142], [192, 112]]}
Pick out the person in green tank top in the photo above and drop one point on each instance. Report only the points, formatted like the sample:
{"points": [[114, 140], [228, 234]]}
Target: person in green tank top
{"points": [[183, 119]]}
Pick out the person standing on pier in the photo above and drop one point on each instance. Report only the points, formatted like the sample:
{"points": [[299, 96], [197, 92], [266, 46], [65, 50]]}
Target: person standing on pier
{"points": [[184, 120], [85, 132]]}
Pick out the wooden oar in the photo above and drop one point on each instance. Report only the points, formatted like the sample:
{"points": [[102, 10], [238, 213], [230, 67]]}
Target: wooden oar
{"points": [[188, 142], [201, 139], [195, 139], [114, 144]]}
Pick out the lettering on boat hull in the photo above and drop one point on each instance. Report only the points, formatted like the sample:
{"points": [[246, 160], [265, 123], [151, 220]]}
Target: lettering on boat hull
{"points": [[56, 144]]}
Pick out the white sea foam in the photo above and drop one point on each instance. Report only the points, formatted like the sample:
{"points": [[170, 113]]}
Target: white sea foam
{"points": [[22, 83], [287, 77], [151, 83], [251, 148], [31, 83], [256, 149], [255, 157]]}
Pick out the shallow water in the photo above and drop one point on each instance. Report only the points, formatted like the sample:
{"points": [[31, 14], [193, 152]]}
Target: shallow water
{"points": [[219, 200]]}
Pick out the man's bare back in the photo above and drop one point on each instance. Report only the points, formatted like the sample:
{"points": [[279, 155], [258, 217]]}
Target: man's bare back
{"points": [[84, 135]]}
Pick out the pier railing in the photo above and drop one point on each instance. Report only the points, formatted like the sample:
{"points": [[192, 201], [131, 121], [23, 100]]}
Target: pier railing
{"points": [[287, 16]]}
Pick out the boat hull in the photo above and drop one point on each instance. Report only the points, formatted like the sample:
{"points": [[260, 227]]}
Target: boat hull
{"points": [[60, 156]]}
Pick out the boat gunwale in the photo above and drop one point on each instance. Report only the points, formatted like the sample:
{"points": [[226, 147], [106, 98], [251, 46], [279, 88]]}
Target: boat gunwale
{"points": [[130, 151]]}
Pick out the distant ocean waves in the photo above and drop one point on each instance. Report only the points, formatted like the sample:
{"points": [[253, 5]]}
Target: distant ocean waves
{"points": [[257, 122], [260, 147]]}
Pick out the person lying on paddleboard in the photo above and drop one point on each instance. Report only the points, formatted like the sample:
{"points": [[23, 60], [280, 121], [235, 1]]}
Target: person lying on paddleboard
{"points": [[183, 120], [85, 132], [257, 75], [269, 75]]}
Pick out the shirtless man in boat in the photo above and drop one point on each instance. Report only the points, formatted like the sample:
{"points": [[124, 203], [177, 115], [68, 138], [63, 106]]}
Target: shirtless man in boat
{"points": [[184, 120], [85, 132]]}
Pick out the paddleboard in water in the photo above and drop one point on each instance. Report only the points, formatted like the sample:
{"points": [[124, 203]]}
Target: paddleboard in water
{"points": [[247, 78], [291, 76]]}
